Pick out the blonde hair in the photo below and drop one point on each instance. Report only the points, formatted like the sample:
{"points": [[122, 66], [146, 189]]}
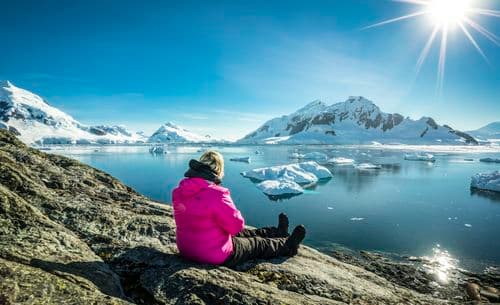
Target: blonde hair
{"points": [[214, 160]]}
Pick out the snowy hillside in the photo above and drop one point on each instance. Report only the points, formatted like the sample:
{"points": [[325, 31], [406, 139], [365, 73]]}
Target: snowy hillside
{"points": [[34, 121], [355, 121], [171, 133], [490, 132]]}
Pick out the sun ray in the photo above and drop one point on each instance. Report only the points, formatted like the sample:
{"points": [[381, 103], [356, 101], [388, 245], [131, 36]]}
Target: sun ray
{"points": [[473, 41], [416, 14], [492, 37], [426, 49], [442, 58], [486, 12], [446, 15]]}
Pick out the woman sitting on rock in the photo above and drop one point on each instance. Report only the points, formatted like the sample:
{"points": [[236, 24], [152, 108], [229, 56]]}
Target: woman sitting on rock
{"points": [[210, 229]]}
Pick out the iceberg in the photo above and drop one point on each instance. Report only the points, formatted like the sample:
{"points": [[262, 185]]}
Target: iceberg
{"points": [[296, 155], [317, 156], [490, 160], [286, 180], [486, 181], [368, 166], [301, 173], [280, 187], [340, 161], [420, 157], [240, 159], [158, 150], [357, 218]]}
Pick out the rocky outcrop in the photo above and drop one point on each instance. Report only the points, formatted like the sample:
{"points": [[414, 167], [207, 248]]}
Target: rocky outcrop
{"points": [[71, 234]]}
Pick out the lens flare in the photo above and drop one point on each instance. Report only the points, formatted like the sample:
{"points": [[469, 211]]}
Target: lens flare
{"points": [[448, 12], [447, 15]]}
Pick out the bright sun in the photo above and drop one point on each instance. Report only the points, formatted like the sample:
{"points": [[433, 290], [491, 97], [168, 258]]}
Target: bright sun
{"points": [[446, 15], [448, 12]]}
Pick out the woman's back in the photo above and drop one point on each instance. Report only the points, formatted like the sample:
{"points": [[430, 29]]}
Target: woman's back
{"points": [[206, 218]]}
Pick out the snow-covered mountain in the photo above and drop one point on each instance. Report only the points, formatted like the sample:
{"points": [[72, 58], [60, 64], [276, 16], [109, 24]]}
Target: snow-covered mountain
{"points": [[355, 121], [490, 132], [34, 121], [171, 133]]}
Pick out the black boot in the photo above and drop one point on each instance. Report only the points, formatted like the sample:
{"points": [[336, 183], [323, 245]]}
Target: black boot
{"points": [[283, 225], [293, 242]]}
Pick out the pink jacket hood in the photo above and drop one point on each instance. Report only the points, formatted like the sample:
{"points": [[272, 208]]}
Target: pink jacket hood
{"points": [[205, 218]]}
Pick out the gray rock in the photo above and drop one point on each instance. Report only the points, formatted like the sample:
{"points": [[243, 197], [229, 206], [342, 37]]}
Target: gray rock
{"points": [[71, 234]]}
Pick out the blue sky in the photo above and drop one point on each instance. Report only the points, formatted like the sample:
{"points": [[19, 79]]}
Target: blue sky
{"points": [[225, 67]]}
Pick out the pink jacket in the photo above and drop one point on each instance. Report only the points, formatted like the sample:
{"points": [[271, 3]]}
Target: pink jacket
{"points": [[206, 218]]}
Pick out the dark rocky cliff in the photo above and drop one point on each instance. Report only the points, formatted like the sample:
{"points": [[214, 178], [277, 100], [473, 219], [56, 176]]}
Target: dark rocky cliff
{"points": [[71, 234]]}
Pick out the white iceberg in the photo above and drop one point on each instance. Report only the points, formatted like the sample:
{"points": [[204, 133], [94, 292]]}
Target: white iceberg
{"points": [[301, 173], [240, 159], [316, 156], [486, 181], [368, 166], [420, 157], [490, 160], [158, 150], [280, 187], [296, 155], [357, 219], [340, 161]]}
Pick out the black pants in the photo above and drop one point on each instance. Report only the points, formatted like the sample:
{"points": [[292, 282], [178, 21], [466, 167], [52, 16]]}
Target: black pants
{"points": [[261, 243]]}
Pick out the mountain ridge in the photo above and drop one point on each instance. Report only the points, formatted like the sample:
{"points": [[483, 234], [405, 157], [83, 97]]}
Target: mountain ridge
{"points": [[36, 122], [354, 121]]}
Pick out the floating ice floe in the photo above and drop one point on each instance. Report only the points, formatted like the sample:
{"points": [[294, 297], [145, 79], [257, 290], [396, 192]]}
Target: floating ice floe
{"points": [[287, 179], [490, 160], [420, 157], [301, 173], [486, 181], [357, 218], [341, 161], [279, 187], [258, 152], [296, 155], [367, 166], [316, 156], [468, 225], [158, 150], [330, 208], [240, 159]]}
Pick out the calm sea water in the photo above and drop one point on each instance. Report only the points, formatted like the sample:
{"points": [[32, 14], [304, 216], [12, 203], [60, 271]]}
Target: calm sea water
{"points": [[408, 207]]}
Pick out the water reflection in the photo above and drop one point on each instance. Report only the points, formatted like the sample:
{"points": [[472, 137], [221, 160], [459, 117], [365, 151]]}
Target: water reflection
{"points": [[495, 197], [441, 264], [356, 180]]}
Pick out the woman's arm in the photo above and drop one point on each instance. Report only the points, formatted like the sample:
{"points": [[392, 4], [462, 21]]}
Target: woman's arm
{"points": [[228, 216]]}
